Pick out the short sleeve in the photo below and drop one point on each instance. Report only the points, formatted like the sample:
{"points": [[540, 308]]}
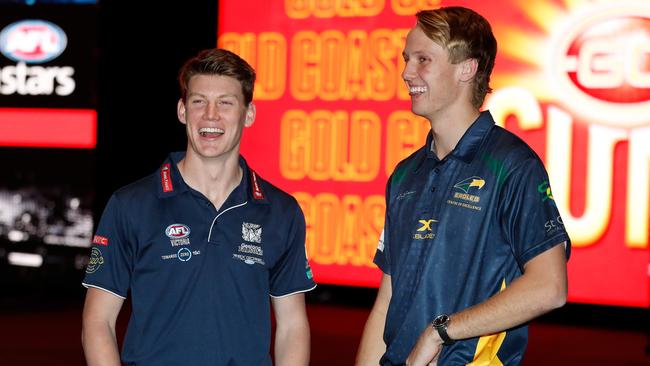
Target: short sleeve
{"points": [[292, 273], [111, 255], [383, 245], [529, 216]]}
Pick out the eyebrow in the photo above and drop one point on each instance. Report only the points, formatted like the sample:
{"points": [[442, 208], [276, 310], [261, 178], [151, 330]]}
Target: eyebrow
{"points": [[222, 96]]}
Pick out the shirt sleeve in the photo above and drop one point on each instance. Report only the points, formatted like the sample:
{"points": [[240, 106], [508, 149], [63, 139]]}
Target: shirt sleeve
{"points": [[382, 255], [111, 253], [529, 216], [292, 274]]}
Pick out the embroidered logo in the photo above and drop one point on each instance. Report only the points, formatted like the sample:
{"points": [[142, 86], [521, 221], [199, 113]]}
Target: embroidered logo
{"points": [[463, 198], [96, 260], [425, 231], [257, 191], [251, 232], [466, 184], [165, 178], [178, 234], [426, 224], [545, 189], [100, 240]]}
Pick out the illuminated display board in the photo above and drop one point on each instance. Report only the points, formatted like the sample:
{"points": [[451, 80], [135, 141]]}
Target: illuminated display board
{"points": [[48, 133], [572, 78]]}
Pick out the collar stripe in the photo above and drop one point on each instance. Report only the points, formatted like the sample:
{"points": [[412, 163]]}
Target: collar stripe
{"points": [[165, 178], [257, 191]]}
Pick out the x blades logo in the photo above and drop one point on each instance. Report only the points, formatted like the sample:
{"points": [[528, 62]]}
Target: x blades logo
{"points": [[425, 231], [426, 224]]}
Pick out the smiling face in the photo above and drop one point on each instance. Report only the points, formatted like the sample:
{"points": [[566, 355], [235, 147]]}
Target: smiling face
{"points": [[214, 114], [435, 84]]}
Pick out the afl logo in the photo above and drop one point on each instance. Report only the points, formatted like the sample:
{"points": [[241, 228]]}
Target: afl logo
{"points": [[601, 65], [177, 231], [32, 41]]}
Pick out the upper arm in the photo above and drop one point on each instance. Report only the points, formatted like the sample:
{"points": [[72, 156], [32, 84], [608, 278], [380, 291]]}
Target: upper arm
{"points": [[548, 270], [101, 307], [384, 294], [290, 310]]}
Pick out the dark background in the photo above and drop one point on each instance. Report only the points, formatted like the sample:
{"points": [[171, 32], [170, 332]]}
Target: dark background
{"points": [[140, 48]]}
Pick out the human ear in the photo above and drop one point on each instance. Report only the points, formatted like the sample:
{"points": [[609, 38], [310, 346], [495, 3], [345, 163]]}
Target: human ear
{"points": [[251, 111], [468, 69], [180, 111]]}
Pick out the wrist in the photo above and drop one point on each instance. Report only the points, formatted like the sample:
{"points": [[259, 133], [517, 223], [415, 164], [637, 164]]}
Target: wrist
{"points": [[439, 326]]}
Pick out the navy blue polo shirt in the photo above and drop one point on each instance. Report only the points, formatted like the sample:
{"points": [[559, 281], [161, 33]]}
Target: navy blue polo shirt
{"points": [[458, 231], [199, 278]]}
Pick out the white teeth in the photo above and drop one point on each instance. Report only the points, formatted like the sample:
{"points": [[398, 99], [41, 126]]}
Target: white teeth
{"points": [[418, 89], [205, 130]]}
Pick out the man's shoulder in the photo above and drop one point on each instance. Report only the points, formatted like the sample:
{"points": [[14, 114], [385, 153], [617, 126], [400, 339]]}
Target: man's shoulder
{"points": [[508, 147], [408, 164], [138, 191], [264, 190]]}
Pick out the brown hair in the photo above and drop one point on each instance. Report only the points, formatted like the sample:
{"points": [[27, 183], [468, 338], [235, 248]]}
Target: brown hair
{"points": [[465, 34], [218, 61]]}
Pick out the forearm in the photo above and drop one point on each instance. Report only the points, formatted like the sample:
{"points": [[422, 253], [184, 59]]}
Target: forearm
{"points": [[529, 296], [372, 345], [292, 345], [100, 345]]}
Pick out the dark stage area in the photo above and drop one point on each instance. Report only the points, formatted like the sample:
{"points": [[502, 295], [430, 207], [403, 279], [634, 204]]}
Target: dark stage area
{"points": [[40, 319], [139, 49]]}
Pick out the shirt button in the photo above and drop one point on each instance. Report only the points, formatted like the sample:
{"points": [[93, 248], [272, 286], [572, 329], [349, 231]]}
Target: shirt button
{"points": [[433, 189]]}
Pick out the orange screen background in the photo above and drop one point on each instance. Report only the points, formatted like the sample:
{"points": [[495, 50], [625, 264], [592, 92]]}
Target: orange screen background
{"points": [[572, 78]]}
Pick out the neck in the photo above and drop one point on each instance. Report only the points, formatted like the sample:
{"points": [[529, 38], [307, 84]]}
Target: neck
{"points": [[215, 179], [449, 129]]}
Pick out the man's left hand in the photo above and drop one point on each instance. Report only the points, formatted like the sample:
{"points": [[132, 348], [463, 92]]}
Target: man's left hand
{"points": [[426, 350]]}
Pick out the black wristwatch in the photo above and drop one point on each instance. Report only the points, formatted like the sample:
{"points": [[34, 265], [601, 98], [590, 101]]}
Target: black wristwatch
{"points": [[440, 324]]}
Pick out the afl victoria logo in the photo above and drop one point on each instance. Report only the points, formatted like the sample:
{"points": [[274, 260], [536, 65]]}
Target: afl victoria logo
{"points": [[177, 231], [32, 41], [601, 65]]}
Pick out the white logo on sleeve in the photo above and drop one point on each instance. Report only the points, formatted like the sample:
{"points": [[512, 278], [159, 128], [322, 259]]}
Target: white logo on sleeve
{"points": [[380, 245]]}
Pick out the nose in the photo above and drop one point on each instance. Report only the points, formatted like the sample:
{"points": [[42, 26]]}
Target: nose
{"points": [[408, 73], [211, 112]]}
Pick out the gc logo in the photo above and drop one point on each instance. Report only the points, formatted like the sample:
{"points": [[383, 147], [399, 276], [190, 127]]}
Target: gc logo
{"points": [[601, 65]]}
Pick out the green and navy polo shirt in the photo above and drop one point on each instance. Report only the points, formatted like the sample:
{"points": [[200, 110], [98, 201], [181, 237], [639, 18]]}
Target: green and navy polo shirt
{"points": [[459, 230]]}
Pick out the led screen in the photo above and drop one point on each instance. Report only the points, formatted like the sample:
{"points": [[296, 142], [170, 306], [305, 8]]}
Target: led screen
{"points": [[572, 78]]}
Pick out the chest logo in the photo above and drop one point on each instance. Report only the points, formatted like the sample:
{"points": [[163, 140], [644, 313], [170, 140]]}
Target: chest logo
{"points": [[178, 234], [251, 232], [466, 193], [426, 224], [465, 184], [425, 231]]}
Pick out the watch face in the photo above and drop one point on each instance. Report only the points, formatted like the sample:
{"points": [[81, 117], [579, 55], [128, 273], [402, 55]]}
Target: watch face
{"points": [[440, 320]]}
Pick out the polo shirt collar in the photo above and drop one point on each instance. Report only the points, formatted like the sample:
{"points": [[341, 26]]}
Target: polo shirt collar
{"points": [[171, 183], [251, 184], [471, 141]]}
